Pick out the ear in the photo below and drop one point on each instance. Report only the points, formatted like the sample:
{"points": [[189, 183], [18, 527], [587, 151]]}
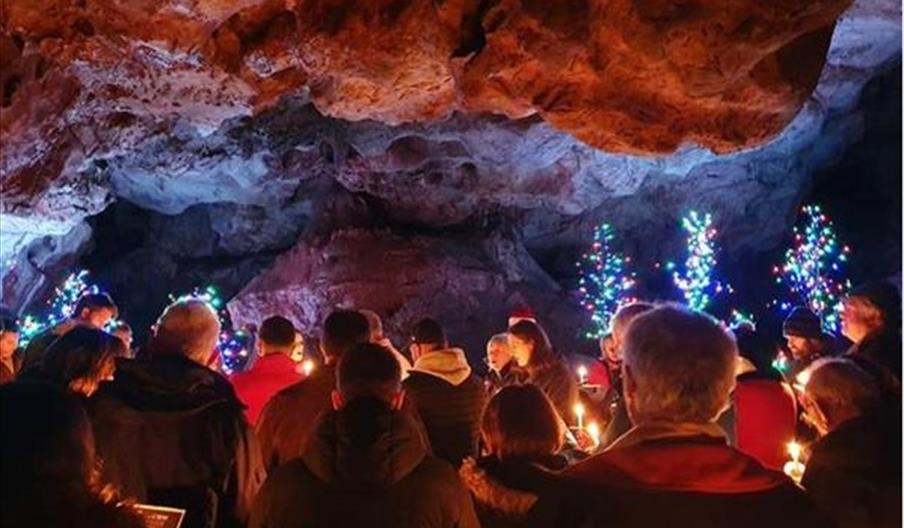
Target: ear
{"points": [[629, 387], [398, 400], [336, 399]]}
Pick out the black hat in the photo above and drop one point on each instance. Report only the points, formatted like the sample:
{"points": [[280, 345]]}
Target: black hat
{"points": [[802, 322], [884, 296]]}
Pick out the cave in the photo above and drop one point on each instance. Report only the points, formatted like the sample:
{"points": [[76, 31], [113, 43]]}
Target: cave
{"points": [[449, 159]]}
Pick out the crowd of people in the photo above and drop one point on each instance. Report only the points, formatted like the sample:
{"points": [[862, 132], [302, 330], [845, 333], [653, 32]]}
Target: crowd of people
{"points": [[680, 421]]}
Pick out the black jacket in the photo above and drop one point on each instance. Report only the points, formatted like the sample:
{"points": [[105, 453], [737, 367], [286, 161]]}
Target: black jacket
{"points": [[557, 381], [854, 472], [509, 375], [364, 466], [172, 432]]}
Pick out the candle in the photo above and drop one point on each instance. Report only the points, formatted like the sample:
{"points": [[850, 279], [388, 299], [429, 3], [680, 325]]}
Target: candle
{"points": [[794, 468], [307, 366], [579, 412], [593, 429], [582, 374], [801, 380]]}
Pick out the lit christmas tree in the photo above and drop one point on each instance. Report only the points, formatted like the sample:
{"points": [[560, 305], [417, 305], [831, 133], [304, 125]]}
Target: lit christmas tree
{"points": [[696, 282], [603, 284], [233, 345], [62, 305], [813, 268]]}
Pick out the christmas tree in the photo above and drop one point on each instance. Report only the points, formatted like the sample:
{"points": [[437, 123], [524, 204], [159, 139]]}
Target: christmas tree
{"points": [[604, 283], [696, 282]]}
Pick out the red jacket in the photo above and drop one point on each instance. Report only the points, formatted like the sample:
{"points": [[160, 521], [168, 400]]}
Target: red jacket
{"points": [[268, 375], [765, 420]]}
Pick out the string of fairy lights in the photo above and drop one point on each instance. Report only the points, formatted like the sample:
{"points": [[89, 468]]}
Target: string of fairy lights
{"points": [[604, 282]]}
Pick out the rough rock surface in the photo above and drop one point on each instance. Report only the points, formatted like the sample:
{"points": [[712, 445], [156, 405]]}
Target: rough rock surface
{"points": [[229, 122]]}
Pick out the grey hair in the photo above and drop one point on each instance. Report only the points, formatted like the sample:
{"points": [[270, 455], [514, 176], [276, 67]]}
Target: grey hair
{"points": [[682, 363], [189, 328], [498, 339], [840, 386]]}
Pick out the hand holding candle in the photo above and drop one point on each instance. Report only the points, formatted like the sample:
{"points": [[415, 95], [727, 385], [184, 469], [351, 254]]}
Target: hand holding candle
{"points": [[794, 468]]}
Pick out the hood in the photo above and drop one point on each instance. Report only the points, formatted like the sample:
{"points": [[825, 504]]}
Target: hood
{"points": [[365, 445], [683, 457], [169, 383], [449, 364]]}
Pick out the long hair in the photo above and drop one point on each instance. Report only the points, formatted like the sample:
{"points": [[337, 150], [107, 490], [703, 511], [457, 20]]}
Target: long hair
{"points": [[542, 351], [81, 357], [519, 420]]}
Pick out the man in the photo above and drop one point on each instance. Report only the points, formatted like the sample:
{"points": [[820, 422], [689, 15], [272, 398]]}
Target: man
{"points": [[448, 397], [123, 331], [502, 370], [806, 340], [614, 402], [274, 369], [854, 470], [673, 468], [92, 309], [377, 337], [9, 342], [365, 464], [171, 431], [871, 319], [287, 419]]}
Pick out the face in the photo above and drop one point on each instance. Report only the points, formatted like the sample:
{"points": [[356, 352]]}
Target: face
{"points": [[126, 337], [298, 348], [498, 355], [521, 350], [9, 341], [608, 352], [801, 347], [97, 317], [857, 319]]}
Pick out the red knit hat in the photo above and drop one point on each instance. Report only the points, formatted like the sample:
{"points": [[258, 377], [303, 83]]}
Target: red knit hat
{"points": [[523, 312]]}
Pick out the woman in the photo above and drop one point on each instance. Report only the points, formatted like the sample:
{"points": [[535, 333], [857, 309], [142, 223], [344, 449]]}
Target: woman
{"points": [[49, 471], [871, 319], [545, 369], [522, 436], [81, 359]]}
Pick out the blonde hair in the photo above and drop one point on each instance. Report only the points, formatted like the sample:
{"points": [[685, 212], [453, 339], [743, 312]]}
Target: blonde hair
{"points": [[189, 328], [838, 386]]}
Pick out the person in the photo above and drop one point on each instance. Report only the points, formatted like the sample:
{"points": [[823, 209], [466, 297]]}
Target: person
{"points": [[805, 338], [48, 464], [81, 360], [446, 394], [762, 418], [273, 370], [871, 319], [543, 367], [287, 419], [297, 355], [522, 435], [172, 432], [674, 468], [366, 464], [602, 372], [123, 331], [378, 337], [614, 400], [10, 361], [854, 469], [94, 310], [502, 371]]}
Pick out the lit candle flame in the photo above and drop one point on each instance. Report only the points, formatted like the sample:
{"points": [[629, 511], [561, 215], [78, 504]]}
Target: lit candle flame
{"points": [[579, 412], [801, 380], [794, 451], [593, 429], [582, 374], [307, 366]]}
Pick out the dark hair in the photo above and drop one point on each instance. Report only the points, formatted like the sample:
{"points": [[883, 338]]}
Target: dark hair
{"points": [[9, 324], [753, 346], [277, 331], [542, 349], [368, 370], [79, 357], [519, 420], [93, 301], [342, 330], [429, 332]]}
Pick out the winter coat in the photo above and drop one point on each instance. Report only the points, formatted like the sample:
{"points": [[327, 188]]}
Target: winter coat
{"points": [[288, 418], [172, 432], [268, 375], [884, 348], [365, 466], [765, 419], [6, 374], [504, 491], [509, 375], [556, 380], [449, 398], [673, 474], [56, 505], [854, 472], [34, 352]]}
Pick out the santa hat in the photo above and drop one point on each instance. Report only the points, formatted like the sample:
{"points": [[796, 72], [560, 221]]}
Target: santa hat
{"points": [[523, 312]]}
